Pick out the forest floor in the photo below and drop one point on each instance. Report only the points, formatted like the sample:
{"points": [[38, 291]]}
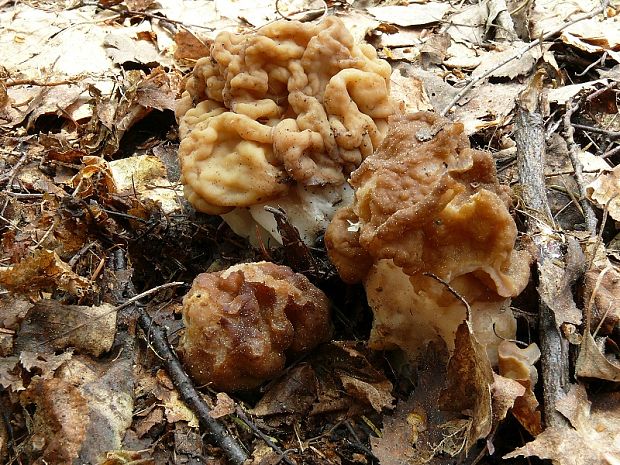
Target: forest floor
{"points": [[98, 244]]}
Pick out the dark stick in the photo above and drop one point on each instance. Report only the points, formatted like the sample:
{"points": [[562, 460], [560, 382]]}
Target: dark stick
{"points": [[217, 432], [573, 150], [530, 139]]}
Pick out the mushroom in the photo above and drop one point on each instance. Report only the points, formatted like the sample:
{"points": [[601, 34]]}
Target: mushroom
{"points": [[430, 219], [242, 323], [280, 117]]}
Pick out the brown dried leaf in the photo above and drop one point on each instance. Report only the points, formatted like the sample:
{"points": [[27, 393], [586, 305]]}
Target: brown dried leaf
{"points": [[592, 363], [606, 304], [153, 418], [605, 191], [51, 324], [592, 438], [9, 374], [84, 411], [44, 270], [190, 47], [469, 381], [293, 394], [418, 432], [377, 394], [505, 391], [42, 364], [556, 283], [145, 176], [224, 406], [60, 421]]}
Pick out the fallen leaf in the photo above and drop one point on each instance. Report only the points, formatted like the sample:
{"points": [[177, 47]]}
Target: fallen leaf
{"points": [[605, 306], [146, 177], [224, 406], [377, 394], [469, 380], [40, 271], [414, 14], [592, 439], [294, 393], [190, 47], [90, 330], [592, 363], [555, 286], [418, 432], [605, 191], [60, 421]]}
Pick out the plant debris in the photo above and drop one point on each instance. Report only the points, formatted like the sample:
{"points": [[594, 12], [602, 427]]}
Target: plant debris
{"points": [[98, 244]]}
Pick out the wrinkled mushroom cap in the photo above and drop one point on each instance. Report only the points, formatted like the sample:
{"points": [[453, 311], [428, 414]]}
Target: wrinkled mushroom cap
{"points": [[241, 323], [290, 103], [426, 203]]}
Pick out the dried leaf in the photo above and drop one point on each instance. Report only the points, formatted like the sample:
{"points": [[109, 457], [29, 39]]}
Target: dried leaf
{"points": [[106, 388], [50, 324], [469, 381], [60, 421], [606, 304], [418, 432], [43, 271], [591, 363], [555, 287], [224, 406], [504, 392], [190, 47], [414, 14], [377, 394], [605, 191], [592, 438], [145, 177], [293, 394]]}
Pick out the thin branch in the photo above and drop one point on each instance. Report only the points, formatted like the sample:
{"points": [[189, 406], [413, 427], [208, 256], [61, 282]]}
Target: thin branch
{"points": [[113, 310], [530, 140], [573, 151], [158, 341], [520, 53], [611, 134], [452, 291]]}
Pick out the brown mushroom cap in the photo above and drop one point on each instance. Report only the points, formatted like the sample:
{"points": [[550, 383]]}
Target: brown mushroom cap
{"points": [[426, 203], [242, 323]]}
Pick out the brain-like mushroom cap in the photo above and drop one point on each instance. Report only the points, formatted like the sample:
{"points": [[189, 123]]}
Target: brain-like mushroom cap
{"points": [[291, 103], [241, 323], [430, 203], [426, 206]]}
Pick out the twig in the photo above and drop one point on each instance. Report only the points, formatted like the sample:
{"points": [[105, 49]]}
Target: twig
{"points": [[113, 310], [530, 140], [452, 291], [520, 53], [257, 432], [611, 134], [157, 340], [35, 82], [573, 150]]}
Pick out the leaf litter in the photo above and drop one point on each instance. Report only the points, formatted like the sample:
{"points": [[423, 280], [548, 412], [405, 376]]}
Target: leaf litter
{"points": [[88, 167]]}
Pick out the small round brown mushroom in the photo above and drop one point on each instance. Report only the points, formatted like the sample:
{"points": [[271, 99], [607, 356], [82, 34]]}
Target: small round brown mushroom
{"points": [[242, 323]]}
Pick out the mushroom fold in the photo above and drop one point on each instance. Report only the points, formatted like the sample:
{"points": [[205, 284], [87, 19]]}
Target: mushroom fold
{"points": [[428, 208], [243, 322]]}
